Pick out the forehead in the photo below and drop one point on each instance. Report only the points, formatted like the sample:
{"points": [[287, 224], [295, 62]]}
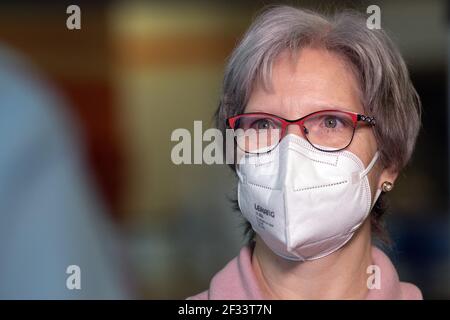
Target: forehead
{"points": [[311, 79]]}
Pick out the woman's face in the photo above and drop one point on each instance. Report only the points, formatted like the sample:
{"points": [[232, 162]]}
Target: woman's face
{"points": [[318, 80]]}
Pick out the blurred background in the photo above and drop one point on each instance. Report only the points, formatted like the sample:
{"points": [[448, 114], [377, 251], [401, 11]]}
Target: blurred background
{"points": [[86, 118]]}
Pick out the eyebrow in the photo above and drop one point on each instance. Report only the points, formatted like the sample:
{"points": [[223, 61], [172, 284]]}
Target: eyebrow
{"points": [[336, 107]]}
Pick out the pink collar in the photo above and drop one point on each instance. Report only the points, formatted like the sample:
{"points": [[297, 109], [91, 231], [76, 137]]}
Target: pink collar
{"points": [[237, 281]]}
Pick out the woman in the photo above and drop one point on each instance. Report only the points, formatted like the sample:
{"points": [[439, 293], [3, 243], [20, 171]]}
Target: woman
{"points": [[326, 111]]}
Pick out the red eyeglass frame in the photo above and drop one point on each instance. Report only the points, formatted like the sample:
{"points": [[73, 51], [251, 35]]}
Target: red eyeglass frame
{"points": [[356, 117]]}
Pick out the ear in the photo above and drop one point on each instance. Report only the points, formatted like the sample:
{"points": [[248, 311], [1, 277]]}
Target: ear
{"points": [[387, 174]]}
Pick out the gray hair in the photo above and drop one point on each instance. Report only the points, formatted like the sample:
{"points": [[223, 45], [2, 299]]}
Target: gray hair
{"points": [[386, 89]]}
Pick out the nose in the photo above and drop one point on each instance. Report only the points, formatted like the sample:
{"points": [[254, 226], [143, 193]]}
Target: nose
{"points": [[294, 129]]}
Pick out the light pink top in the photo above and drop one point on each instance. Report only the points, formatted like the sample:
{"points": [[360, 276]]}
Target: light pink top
{"points": [[237, 281]]}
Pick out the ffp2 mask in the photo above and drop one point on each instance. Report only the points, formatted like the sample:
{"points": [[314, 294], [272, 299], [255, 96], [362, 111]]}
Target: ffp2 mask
{"points": [[304, 203]]}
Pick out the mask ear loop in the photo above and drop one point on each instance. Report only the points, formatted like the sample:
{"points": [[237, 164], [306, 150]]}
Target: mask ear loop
{"points": [[370, 166], [366, 171], [377, 194]]}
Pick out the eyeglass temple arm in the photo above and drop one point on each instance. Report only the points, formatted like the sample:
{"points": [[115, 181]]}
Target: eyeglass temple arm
{"points": [[369, 120]]}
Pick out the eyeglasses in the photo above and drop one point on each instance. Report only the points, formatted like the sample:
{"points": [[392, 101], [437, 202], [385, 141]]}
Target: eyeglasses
{"points": [[325, 130]]}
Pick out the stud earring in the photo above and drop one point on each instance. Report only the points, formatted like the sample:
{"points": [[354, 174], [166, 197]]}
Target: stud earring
{"points": [[387, 186]]}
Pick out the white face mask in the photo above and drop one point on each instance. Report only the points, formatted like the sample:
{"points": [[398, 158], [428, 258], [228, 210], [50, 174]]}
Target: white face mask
{"points": [[304, 203]]}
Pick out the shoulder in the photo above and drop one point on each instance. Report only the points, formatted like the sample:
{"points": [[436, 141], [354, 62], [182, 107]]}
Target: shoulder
{"points": [[201, 296], [235, 281], [410, 291]]}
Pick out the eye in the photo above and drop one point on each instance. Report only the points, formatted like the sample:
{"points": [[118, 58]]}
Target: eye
{"points": [[331, 122], [263, 124], [335, 122]]}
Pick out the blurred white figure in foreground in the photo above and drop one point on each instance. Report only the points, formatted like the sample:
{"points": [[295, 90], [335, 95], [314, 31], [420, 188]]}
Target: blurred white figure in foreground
{"points": [[50, 217]]}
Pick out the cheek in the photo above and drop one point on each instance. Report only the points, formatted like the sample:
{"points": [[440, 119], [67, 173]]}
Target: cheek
{"points": [[364, 145]]}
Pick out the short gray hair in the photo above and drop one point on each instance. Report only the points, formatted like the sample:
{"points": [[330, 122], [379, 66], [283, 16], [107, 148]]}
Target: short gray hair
{"points": [[387, 92]]}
